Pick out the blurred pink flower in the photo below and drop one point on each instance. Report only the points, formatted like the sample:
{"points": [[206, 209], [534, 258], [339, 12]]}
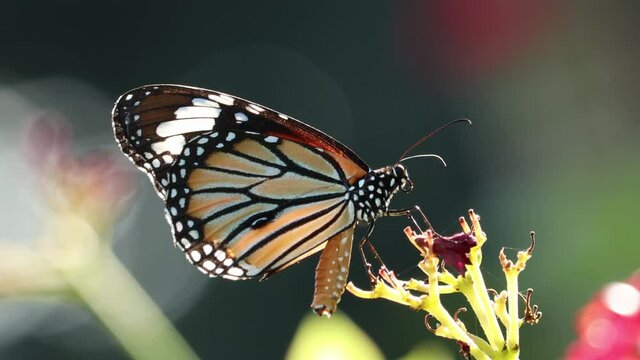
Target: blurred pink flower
{"points": [[609, 326], [96, 184], [466, 39], [73, 259]]}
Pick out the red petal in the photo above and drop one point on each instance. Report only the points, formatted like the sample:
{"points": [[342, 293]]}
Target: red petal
{"points": [[454, 250]]}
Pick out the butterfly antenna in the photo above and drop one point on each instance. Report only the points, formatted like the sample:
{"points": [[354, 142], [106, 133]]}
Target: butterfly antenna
{"points": [[431, 134], [423, 156]]}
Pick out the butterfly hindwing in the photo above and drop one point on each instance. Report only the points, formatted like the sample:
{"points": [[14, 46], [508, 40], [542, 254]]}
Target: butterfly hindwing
{"points": [[240, 207]]}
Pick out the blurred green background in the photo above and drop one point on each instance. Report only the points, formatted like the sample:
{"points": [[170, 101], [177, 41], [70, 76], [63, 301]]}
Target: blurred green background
{"points": [[551, 87]]}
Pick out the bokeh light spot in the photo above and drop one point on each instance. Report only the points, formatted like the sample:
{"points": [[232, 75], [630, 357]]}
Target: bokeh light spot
{"points": [[599, 333], [622, 299]]}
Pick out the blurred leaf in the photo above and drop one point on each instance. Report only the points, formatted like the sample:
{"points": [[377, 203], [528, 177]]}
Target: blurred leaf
{"points": [[428, 350], [336, 338]]}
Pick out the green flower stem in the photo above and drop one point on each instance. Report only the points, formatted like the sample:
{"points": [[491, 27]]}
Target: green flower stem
{"points": [[24, 273], [89, 268], [118, 301], [483, 345], [513, 325], [479, 294], [500, 307], [421, 286], [435, 308], [474, 288]]}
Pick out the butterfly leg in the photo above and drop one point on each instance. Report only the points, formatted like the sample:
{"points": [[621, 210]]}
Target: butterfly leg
{"points": [[409, 213], [367, 265]]}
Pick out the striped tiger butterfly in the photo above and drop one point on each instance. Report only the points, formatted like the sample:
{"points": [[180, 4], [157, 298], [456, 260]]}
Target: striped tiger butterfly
{"points": [[249, 191]]}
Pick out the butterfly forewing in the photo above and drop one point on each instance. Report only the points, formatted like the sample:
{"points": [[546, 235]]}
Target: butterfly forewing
{"points": [[248, 191], [153, 123]]}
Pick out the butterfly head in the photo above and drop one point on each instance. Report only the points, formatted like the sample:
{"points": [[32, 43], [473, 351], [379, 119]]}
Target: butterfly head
{"points": [[372, 193], [404, 182]]}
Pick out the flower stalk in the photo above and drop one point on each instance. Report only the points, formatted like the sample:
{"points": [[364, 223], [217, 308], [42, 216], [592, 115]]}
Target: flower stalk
{"points": [[73, 260], [463, 252]]}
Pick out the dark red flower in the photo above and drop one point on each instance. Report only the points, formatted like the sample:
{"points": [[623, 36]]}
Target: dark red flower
{"points": [[453, 250], [609, 326]]}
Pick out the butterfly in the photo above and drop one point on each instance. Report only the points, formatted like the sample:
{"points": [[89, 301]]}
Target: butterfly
{"points": [[249, 191]]}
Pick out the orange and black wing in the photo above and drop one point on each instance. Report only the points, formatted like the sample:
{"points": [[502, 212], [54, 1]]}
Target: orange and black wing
{"points": [[153, 123], [248, 191]]}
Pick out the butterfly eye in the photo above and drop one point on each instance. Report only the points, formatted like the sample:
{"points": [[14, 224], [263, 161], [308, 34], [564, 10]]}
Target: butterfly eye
{"points": [[406, 185]]}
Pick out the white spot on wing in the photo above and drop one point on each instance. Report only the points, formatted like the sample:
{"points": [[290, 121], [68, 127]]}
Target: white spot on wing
{"points": [[204, 102], [222, 98], [235, 271], [207, 248], [241, 116], [254, 108], [271, 139], [173, 145], [195, 255], [188, 112], [167, 158], [177, 127], [257, 107], [128, 97]]}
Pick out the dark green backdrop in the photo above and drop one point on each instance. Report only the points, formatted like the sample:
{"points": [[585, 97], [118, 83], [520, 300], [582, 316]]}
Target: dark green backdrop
{"points": [[551, 88]]}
